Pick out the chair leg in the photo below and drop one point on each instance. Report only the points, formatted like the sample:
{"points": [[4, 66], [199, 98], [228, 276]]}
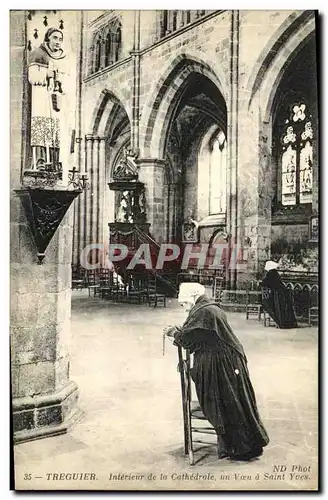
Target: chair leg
{"points": [[184, 402], [191, 453], [185, 429], [190, 444]]}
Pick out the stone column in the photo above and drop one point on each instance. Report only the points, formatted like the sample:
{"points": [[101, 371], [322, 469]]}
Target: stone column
{"points": [[254, 191], [103, 54], [76, 233], [315, 171], [102, 187], [152, 173], [180, 19], [44, 399], [173, 209], [89, 140], [233, 152], [95, 192], [167, 213]]}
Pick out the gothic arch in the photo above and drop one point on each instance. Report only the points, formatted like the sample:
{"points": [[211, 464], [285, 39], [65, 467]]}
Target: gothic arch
{"points": [[278, 53], [104, 111], [165, 96]]}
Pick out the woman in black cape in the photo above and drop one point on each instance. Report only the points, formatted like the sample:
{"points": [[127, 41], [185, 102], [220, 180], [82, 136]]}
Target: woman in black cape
{"points": [[277, 299], [220, 373]]}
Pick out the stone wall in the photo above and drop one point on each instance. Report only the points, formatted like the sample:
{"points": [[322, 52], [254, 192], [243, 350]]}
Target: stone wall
{"points": [[44, 398]]}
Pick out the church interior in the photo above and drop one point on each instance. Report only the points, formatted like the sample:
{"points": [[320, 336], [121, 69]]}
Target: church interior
{"points": [[180, 146]]}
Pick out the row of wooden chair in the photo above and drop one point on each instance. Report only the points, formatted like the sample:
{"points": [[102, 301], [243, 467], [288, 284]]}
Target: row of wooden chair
{"points": [[132, 288], [254, 307]]}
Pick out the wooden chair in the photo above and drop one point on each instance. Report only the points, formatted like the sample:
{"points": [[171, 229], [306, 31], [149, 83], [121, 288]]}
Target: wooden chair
{"points": [[268, 321], [78, 278], [217, 290], [254, 304], [107, 286], [154, 296], [194, 421], [134, 289], [313, 315], [116, 289], [91, 282]]}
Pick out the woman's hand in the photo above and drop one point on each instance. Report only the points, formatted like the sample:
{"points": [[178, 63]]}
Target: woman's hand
{"points": [[169, 331]]}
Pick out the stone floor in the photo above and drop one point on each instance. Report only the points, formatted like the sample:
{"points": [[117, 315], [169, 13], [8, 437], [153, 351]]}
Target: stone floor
{"points": [[130, 395]]}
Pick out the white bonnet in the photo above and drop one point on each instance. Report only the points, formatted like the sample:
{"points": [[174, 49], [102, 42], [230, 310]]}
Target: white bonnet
{"points": [[190, 290], [269, 265]]}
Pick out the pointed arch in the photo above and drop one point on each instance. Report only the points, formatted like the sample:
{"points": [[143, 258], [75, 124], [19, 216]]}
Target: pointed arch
{"points": [[278, 53], [103, 110], [165, 96]]}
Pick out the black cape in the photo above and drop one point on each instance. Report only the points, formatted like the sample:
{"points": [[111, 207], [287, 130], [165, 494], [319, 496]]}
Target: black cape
{"points": [[277, 300], [221, 378]]}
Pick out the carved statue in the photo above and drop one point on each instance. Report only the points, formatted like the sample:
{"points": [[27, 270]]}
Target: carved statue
{"points": [[190, 230], [126, 169], [131, 207], [124, 212], [50, 116]]}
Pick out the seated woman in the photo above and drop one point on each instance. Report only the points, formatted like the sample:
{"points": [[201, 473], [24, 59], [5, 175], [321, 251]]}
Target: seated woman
{"points": [[220, 374], [277, 298]]}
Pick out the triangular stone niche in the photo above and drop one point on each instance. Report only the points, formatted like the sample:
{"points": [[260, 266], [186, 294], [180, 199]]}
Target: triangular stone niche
{"points": [[45, 209]]}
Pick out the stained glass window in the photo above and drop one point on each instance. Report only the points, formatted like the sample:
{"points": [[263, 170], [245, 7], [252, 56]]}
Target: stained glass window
{"points": [[306, 173], [297, 157], [288, 177]]}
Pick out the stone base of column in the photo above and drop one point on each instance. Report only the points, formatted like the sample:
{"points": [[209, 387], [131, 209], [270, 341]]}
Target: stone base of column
{"points": [[45, 415]]}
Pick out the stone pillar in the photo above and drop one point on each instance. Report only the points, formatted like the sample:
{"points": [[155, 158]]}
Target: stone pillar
{"points": [[174, 200], [254, 191], [102, 187], [167, 212], [95, 192], [233, 152], [180, 18], [44, 399], [76, 233], [89, 141], [152, 173], [315, 171], [103, 54]]}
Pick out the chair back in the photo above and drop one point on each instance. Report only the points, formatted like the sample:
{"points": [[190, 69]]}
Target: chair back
{"points": [[218, 286]]}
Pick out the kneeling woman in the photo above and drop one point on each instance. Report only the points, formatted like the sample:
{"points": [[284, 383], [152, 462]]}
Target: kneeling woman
{"points": [[277, 300], [220, 374]]}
